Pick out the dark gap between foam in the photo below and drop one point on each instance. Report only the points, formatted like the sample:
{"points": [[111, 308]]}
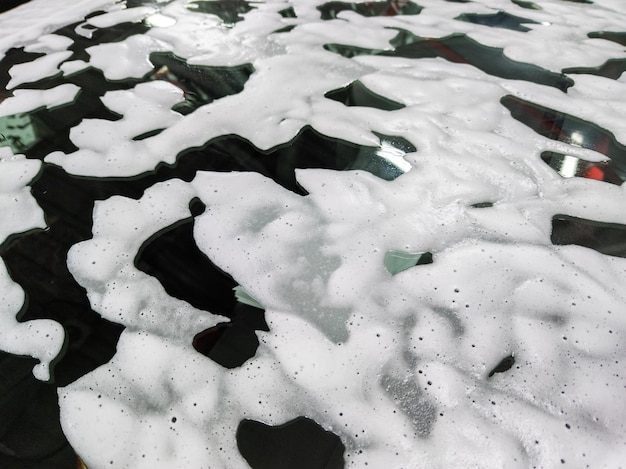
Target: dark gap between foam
{"points": [[459, 48]]}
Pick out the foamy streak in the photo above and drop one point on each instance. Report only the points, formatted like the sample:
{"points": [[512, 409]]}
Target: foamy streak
{"points": [[42, 338], [29, 100], [397, 366]]}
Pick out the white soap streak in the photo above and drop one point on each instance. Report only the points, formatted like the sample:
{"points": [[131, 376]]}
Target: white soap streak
{"points": [[43, 67], [41, 338], [29, 100]]}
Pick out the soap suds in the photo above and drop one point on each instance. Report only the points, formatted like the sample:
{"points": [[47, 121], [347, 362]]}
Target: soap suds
{"points": [[404, 365]]}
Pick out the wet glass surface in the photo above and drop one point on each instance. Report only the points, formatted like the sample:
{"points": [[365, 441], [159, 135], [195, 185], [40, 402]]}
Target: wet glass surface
{"points": [[527, 5], [186, 273], [612, 68], [606, 238], [330, 10], [68, 203], [398, 261], [505, 365], [500, 19], [29, 413], [300, 443], [619, 37], [201, 84], [563, 127], [288, 13], [357, 94], [309, 149], [571, 166], [8, 4], [460, 48], [37, 260]]}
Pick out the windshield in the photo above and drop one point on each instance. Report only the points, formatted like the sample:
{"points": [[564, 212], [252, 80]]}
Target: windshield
{"points": [[279, 234]]}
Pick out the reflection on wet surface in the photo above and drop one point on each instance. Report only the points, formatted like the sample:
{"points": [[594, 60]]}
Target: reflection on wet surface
{"points": [[399, 261], [571, 166], [231, 344], [309, 149], [46, 130], [50, 127], [612, 68], [37, 260], [330, 10], [300, 443], [505, 365], [286, 29], [186, 273], [8, 4], [606, 238], [229, 11], [29, 412], [201, 84], [172, 256], [527, 5], [460, 48], [501, 19], [566, 128], [620, 38], [288, 13], [357, 94], [482, 205]]}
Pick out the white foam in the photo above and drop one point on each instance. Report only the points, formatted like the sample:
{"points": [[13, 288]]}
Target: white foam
{"points": [[396, 365], [29, 100], [70, 67], [25, 24], [43, 67], [49, 43], [125, 59], [42, 339], [125, 15]]}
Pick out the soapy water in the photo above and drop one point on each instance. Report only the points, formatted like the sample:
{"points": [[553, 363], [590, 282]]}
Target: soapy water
{"points": [[414, 285]]}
